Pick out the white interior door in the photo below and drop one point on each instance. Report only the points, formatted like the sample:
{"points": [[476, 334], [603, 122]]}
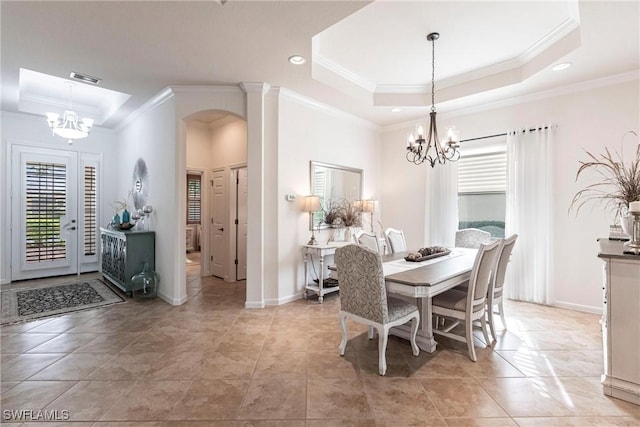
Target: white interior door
{"points": [[218, 232], [241, 224], [43, 213]]}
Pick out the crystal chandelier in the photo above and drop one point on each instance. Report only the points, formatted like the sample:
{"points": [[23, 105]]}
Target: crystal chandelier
{"points": [[432, 149], [68, 125]]}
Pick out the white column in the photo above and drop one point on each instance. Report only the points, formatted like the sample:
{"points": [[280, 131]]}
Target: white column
{"points": [[255, 93]]}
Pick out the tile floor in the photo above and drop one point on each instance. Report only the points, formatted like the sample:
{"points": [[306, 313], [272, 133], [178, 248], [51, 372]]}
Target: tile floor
{"points": [[210, 362]]}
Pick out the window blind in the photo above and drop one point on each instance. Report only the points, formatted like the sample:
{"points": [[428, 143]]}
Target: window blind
{"points": [[193, 199], [483, 173], [46, 199], [90, 210]]}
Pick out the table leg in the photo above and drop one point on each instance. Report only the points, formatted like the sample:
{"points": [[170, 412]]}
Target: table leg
{"points": [[306, 274], [321, 279], [424, 337]]}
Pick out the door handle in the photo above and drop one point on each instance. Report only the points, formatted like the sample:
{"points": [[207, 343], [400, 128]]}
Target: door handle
{"points": [[72, 228], [221, 229]]}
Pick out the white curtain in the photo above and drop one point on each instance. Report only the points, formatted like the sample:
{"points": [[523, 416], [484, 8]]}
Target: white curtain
{"points": [[529, 213], [441, 204]]}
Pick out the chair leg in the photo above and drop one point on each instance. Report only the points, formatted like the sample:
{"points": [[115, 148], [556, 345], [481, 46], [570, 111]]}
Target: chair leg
{"points": [[414, 330], [491, 325], [343, 324], [483, 324], [504, 321], [468, 331], [371, 332], [383, 337]]}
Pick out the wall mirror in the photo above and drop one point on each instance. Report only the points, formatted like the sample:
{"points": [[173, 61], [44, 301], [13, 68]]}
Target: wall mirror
{"points": [[334, 184]]}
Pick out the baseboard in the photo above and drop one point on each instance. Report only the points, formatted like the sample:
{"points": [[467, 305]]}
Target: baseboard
{"points": [[254, 304], [284, 300], [172, 301], [577, 307]]}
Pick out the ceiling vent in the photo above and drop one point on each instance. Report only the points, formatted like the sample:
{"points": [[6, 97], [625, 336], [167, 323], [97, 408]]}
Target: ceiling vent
{"points": [[85, 78]]}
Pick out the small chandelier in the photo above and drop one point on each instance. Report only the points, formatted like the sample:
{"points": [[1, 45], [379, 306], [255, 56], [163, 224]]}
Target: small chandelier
{"points": [[432, 149], [69, 126]]}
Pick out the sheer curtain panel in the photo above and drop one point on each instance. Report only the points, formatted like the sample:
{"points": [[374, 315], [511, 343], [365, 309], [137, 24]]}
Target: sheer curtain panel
{"points": [[529, 213], [441, 220]]}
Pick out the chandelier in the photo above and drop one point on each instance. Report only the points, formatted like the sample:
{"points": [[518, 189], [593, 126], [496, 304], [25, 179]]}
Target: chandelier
{"points": [[69, 126], [432, 149]]}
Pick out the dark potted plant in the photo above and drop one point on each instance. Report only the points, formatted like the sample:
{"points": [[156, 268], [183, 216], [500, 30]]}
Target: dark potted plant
{"points": [[618, 186]]}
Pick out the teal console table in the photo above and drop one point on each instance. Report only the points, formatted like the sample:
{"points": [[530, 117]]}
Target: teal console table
{"points": [[123, 254]]}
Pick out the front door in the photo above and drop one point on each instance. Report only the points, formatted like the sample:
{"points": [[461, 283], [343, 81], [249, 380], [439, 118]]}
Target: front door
{"points": [[44, 213]]}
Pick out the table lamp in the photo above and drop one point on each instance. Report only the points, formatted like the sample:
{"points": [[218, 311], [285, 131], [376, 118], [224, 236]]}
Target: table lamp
{"points": [[369, 206], [312, 205]]}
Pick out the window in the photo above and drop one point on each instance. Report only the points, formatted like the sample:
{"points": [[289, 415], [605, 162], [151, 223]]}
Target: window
{"points": [[482, 183], [46, 195], [90, 210], [193, 199]]}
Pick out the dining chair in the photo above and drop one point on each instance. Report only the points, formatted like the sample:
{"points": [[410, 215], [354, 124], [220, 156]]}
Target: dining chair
{"points": [[363, 298], [367, 239], [471, 238], [395, 240], [496, 287], [461, 306]]}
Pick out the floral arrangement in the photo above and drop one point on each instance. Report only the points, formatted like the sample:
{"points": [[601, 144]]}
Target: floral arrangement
{"points": [[619, 183], [342, 213]]}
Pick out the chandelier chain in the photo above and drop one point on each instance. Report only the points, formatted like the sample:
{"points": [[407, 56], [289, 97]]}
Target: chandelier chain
{"points": [[433, 75]]}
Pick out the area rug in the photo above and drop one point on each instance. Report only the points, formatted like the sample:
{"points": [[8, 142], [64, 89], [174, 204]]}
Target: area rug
{"points": [[19, 305]]}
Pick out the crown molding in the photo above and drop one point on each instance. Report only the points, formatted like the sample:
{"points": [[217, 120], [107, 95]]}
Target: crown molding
{"points": [[324, 108], [546, 94], [345, 73], [255, 87], [206, 89], [159, 99]]}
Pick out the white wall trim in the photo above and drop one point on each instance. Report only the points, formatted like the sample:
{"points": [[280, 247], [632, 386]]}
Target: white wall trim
{"points": [[172, 301], [283, 300], [324, 108], [254, 304], [205, 89], [551, 93], [158, 99], [345, 73], [578, 307]]}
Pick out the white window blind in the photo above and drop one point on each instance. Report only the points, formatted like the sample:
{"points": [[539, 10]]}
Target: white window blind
{"points": [[90, 210], [483, 173], [193, 199], [46, 195]]}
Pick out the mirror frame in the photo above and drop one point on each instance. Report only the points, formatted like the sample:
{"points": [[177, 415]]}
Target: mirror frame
{"points": [[313, 164]]}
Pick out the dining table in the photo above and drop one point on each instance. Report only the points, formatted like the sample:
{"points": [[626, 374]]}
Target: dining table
{"points": [[421, 281]]}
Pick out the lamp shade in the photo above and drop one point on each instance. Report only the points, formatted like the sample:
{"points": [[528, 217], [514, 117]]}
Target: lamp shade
{"points": [[311, 204], [368, 206]]}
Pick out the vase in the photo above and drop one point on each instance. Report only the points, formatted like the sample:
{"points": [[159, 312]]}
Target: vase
{"points": [[125, 216], [347, 234], [115, 222], [144, 285], [626, 221]]}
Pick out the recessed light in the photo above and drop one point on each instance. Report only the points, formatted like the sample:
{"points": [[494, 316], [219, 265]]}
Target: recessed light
{"points": [[297, 59], [561, 66], [396, 110]]}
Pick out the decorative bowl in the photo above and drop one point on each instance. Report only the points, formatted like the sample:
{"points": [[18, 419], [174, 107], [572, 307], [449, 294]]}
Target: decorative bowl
{"points": [[125, 226]]}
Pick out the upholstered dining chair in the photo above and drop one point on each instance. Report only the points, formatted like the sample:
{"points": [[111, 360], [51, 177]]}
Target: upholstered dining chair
{"points": [[395, 240], [471, 238], [363, 298], [461, 306], [367, 239], [496, 287]]}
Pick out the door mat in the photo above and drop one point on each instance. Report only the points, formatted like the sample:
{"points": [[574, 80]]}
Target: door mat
{"points": [[19, 305]]}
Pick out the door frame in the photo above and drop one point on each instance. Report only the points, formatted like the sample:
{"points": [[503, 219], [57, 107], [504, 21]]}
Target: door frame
{"points": [[233, 203]]}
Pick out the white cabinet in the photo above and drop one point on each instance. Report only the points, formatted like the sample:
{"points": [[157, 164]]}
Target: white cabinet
{"points": [[621, 322]]}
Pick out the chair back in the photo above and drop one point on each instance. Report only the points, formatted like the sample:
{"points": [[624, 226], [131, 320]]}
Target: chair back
{"points": [[501, 267], [367, 239], [362, 288], [395, 240], [471, 238], [481, 275]]}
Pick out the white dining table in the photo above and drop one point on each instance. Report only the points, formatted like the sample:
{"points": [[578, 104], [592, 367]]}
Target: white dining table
{"points": [[422, 281]]}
